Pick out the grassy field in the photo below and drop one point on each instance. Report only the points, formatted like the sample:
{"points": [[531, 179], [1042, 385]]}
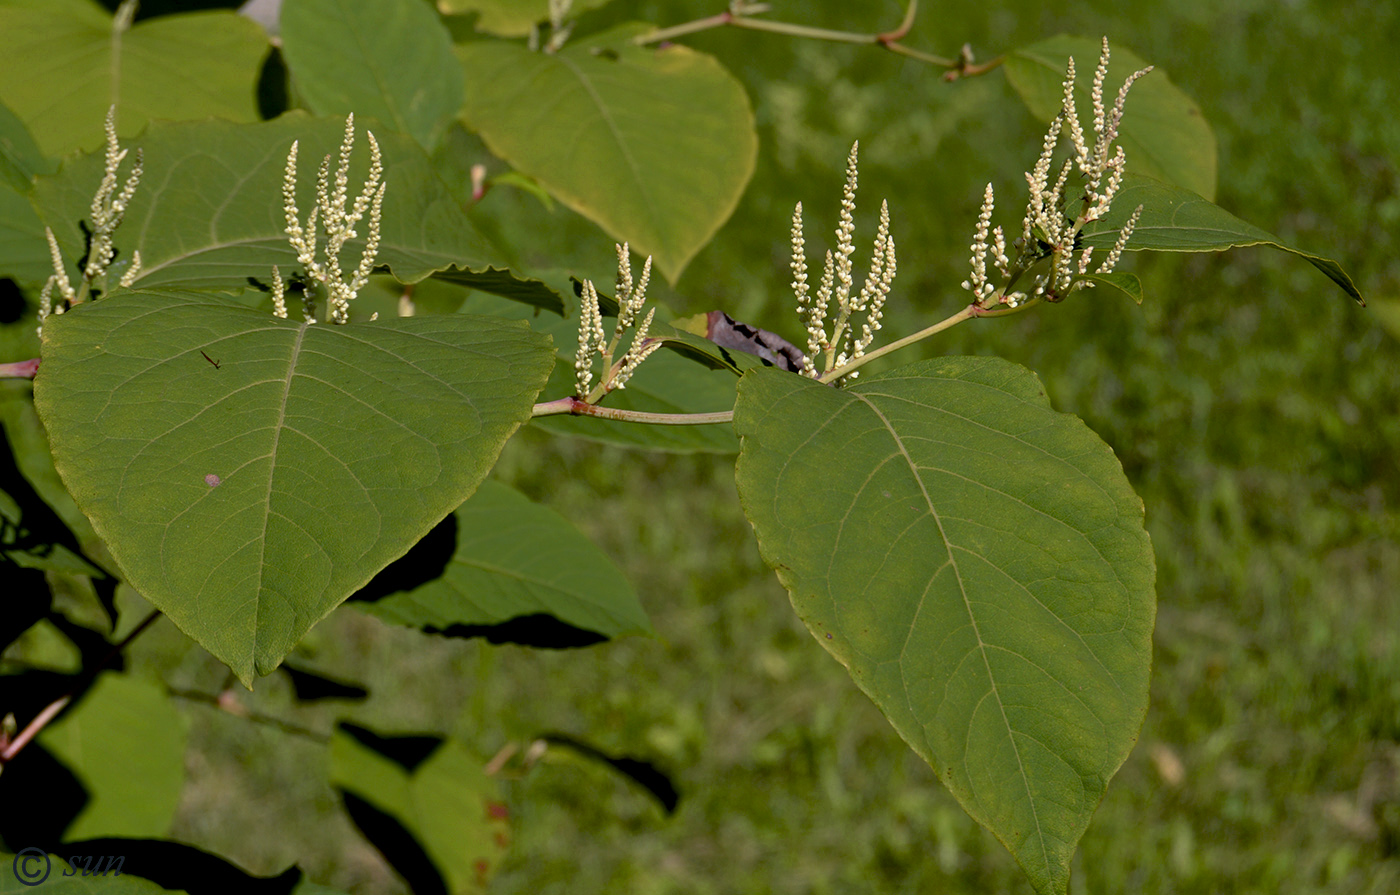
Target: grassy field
{"points": [[1254, 408]]}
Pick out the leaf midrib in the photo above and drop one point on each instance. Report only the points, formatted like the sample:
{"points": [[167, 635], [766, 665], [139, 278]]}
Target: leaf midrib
{"points": [[972, 618]]}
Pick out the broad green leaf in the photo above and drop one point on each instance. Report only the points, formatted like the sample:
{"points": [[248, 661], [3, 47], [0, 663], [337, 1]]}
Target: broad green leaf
{"points": [[1163, 131], [63, 67], [34, 461], [386, 59], [125, 742], [446, 802], [31, 534], [1176, 220], [23, 874], [24, 253], [248, 500], [664, 383], [1126, 283], [20, 158], [526, 290], [978, 563], [512, 18], [515, 558], [655, 146], [209, 214]]}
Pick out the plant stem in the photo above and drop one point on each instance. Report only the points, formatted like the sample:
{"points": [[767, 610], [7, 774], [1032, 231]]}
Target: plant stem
{"points": [[578, 407], [51, 710], [20, 369], [887, 39], [966, 313]]}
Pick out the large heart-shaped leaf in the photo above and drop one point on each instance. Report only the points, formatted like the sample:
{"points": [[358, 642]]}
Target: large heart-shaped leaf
{"points": [[209, 214], [1163, 132], [125, 742], [978, 563], [386, 59], [655, 146], [1177, 220], [515, 558], [250, 473], [63, 67]]}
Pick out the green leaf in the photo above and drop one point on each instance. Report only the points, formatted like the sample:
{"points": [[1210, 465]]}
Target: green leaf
{"points": [[1126, 283], [978, 563], [512, 18], [209, 213], [526, 290], [24, 253], [20, 158], [446, 802], [655, 146], [664, 383], [1163, 132], [386, 59], [32, 536], [248, 500], [125, 742], [1176, 220], [23, 873], [63, 68], [515, 558]]}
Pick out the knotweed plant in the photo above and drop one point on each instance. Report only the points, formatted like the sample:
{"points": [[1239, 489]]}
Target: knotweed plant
{"points": [[108, 208], [592, 342], [335, 222], [1049, 262], [839, 346]]}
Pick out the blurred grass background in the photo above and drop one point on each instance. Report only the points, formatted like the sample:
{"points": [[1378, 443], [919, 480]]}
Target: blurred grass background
{"points": [[1254, 409]]}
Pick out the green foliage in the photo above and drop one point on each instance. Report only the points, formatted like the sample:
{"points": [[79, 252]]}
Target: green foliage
{"points": [[659, 167], [978, 563], [248, 499], [125, 742], [514, 557], [384, 60], [249, 474], [61, 95], [1175, 220], [444, 801]]}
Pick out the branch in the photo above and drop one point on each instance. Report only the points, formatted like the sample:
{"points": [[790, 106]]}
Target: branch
{"points": [[20, 369], [741, 16], [577, 407]]}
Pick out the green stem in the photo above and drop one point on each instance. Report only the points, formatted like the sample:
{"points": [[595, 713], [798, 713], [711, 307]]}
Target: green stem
{"points": [[966, 313], [576, 407], [887, 39]]}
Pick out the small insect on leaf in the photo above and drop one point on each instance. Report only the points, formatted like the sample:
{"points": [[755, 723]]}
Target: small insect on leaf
{"points": [[212, 480], [211, 360]]}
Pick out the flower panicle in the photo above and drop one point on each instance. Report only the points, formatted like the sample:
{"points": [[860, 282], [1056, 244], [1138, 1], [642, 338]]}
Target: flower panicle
{"points": [[332, 219], [840, 344], [593, 341], [108, 208], [1047, 230]]}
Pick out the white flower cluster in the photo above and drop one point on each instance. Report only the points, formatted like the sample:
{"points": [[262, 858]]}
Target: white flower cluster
{"points": [[631, 296], [836, 282], [108, 208], [331, 217], [1047, 230]]}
